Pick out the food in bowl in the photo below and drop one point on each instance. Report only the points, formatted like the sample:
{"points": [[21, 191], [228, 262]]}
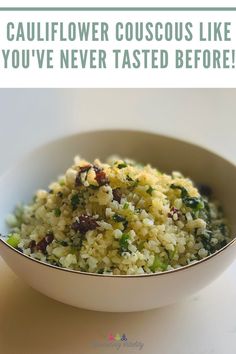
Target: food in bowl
{"points": [[119, 218]]}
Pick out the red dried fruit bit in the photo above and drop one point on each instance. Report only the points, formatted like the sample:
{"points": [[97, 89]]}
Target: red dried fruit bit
{"points": [[78, 177], [173, 211], [117, 194], [85, 168], [42, 245], [49, 238], [32, 245], [84, 224], [101, 177]]}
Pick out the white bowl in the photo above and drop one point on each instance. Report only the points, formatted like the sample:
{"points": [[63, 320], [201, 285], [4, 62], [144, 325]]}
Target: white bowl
{"points": [[106, 292]]}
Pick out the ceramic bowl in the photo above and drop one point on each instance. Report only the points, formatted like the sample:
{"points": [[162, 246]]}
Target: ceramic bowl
{"points": [[107, 292]]}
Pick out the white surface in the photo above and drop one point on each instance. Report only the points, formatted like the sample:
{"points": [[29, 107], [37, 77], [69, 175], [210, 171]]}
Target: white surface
{"points": [[204, 324]]}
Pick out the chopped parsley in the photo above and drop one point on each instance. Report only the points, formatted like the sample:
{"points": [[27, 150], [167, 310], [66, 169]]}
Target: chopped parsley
{"points": [[57, 212], [61, 182], [195, 203], [92, 186], [75, 201], [223, 229], [13, 240], [184, 192], [135, 183], [150, 190], [124, 243], [122, 165], [63, 243], [158, 264], [118, 218], [129, 178]]}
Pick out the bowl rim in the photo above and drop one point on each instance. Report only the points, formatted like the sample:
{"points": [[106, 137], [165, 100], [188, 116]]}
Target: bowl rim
{"points": [[63, 138], [119, 276], [36, 149]]}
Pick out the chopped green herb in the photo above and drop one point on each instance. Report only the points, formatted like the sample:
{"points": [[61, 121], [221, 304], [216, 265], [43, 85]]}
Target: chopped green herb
{"points": [[118, 218], [100, 271], [122, 165], [206, 214], [150, 190], [57, 212], [61, 182], [184, 192], [223, 229], [63, 243], [194, 203], [52, 259], [124, 243], [75, 201], [125, 224], [158, 264], [13, 240], [129, 178], [172, 253], [207, 245], [223, 243], [135, 183], [92, 186], [126, 205]]}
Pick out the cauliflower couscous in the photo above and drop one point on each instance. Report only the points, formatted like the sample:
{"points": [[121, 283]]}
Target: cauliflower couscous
{"points": [[119, 218]]}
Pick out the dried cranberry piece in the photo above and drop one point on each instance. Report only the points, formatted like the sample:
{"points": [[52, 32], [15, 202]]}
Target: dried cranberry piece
{"points": [[42, 245], [49, 238], [174, 211], [84, 224], [78, 177], [117, 194], [32, 245], [85, 168], [101, 177]]}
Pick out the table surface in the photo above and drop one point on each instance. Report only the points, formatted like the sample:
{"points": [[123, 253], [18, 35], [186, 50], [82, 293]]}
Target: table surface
{"points": [[31, 323]]}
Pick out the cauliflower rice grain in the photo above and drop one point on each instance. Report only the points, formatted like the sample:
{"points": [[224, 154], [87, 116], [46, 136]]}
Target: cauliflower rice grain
{"points": [[119, 218]]}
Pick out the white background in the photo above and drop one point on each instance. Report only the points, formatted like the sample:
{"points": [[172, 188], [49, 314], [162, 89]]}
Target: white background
{"points": [[111, 77], [115, 3], [203, 324]]}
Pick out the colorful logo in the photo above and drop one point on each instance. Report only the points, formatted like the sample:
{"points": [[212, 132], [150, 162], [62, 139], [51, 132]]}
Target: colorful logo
{"points": [[117, 337]]}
